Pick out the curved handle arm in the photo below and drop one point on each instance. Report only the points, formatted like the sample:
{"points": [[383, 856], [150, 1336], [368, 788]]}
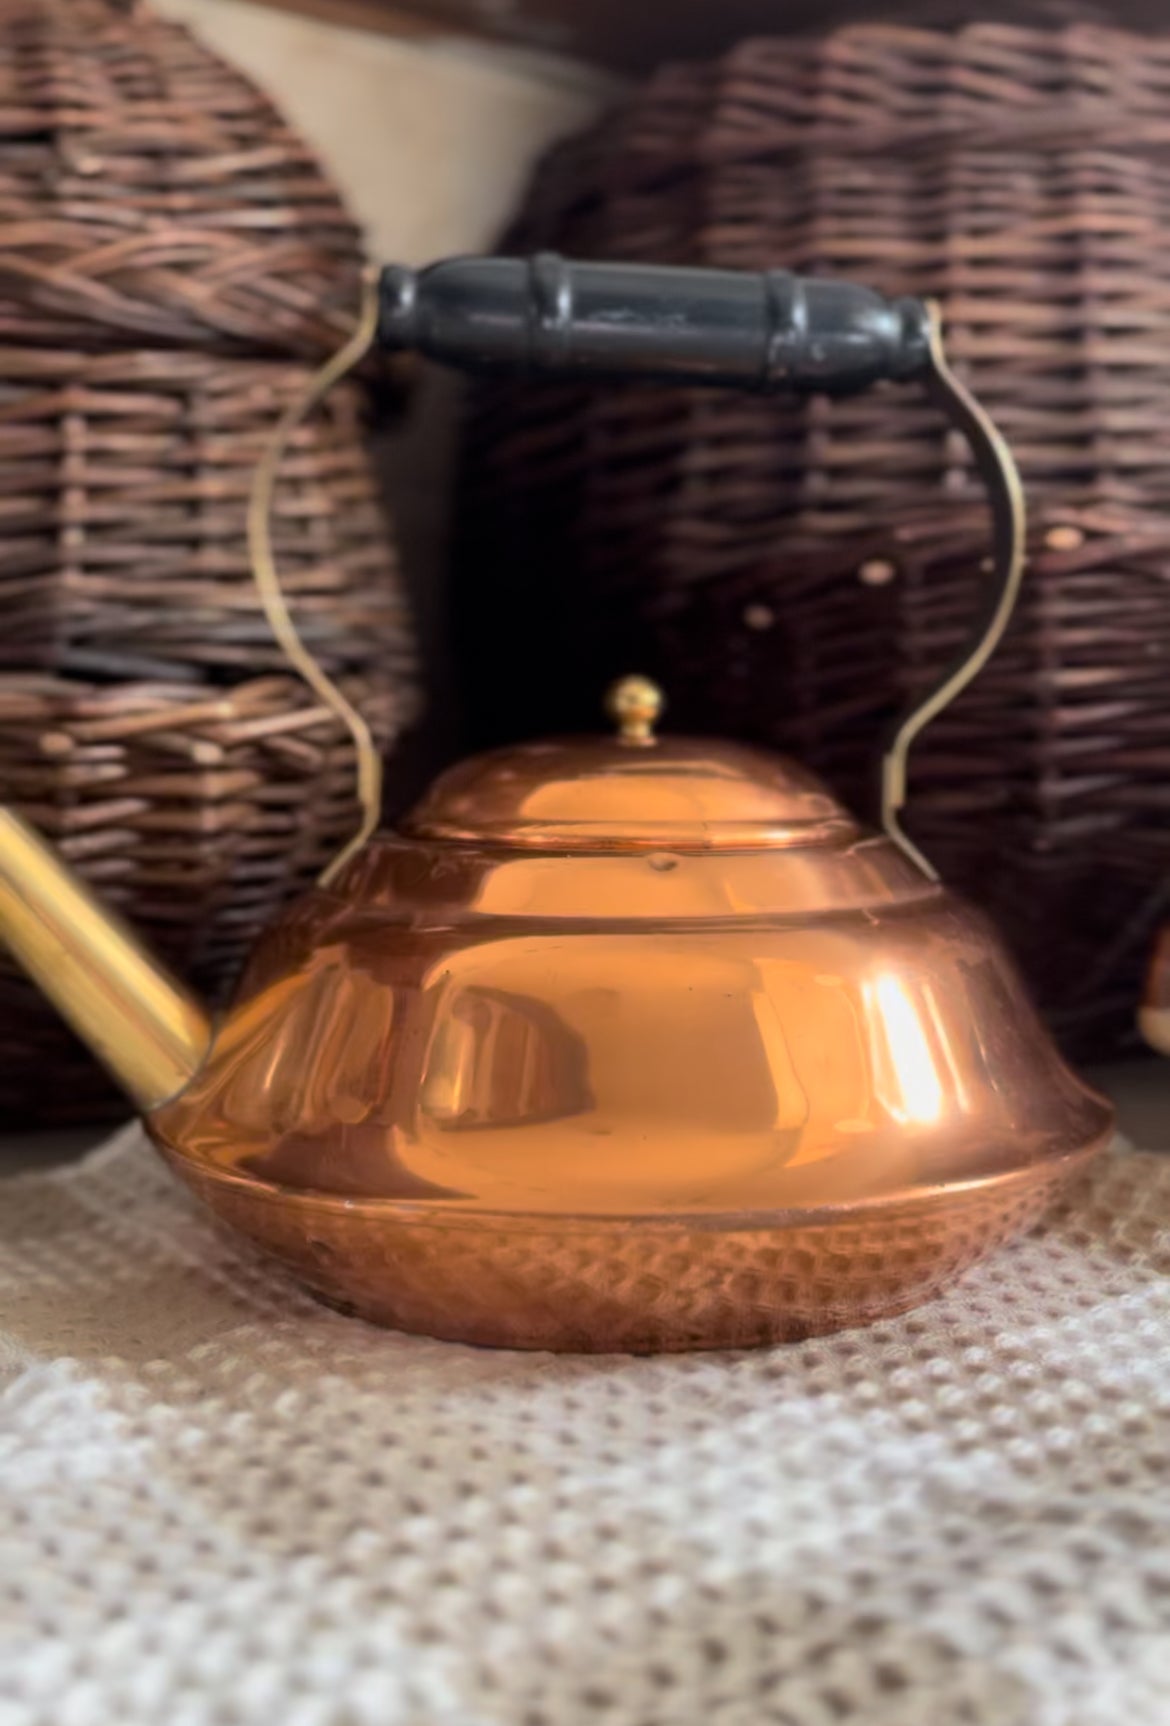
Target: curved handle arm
{"points": [[272, 595], [1005, 495]]}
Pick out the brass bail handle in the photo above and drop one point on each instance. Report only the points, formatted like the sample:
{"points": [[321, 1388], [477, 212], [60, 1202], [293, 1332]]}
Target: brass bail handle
{"points": [[773, 330], [1005, 494], [267, 576]]}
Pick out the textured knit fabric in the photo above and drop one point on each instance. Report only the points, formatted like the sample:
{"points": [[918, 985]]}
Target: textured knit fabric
{"points": [[226, 1506]]}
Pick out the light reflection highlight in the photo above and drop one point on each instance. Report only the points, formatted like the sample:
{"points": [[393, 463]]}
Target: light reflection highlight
{"points": [[906, 1077]]}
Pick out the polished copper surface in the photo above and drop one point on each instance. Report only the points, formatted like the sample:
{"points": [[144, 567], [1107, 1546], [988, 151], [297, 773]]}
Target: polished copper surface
{"points": [[624, 1043], [636, 1284], [630, 1045], [629, 794]]}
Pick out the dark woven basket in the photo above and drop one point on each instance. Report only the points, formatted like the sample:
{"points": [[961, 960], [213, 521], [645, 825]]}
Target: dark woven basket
{"points": [[150, 194], [794, 572], [124, 482], [198, 813]]}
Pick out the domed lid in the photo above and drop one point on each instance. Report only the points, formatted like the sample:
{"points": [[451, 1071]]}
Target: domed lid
{"points": [[632, 791]]}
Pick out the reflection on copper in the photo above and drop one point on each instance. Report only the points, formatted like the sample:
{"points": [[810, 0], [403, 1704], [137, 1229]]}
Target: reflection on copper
{"points": [[906, 1082], [500, 1060]]}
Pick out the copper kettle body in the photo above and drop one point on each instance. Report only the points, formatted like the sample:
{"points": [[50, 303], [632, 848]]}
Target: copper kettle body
{"points": [[632, 1042]]}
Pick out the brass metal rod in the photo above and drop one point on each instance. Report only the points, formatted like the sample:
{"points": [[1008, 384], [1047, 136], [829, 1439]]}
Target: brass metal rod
{"points": [[140, 1022], [268, 584], [1005, 493]]}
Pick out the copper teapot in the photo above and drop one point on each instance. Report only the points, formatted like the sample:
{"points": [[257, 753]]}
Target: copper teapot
{"points": [[630, 1042]]}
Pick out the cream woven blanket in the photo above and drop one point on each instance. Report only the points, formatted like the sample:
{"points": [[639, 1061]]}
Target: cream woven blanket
{"points": [[225, 1506]]}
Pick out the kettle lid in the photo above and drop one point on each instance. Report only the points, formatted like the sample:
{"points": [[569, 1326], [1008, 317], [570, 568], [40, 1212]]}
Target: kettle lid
{"points": [[631, 791]]}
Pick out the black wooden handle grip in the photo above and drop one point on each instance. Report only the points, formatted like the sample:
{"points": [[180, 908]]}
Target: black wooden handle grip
{"points": [[766, 331]]}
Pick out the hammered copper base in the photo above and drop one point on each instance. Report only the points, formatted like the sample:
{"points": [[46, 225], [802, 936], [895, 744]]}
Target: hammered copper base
{"points": [[628, 1285]]}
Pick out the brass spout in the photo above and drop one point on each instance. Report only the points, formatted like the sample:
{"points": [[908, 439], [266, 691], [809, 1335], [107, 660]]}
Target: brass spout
{"points": [[138, 1020]]}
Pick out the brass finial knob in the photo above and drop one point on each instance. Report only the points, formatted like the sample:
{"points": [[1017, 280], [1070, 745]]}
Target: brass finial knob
{"points": [[635, 703]]}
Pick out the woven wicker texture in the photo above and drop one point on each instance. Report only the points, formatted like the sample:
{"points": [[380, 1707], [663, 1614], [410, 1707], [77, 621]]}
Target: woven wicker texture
{"points": [[198, 813], [794, 572], [148, 193], [124, 481], [173, 265]]}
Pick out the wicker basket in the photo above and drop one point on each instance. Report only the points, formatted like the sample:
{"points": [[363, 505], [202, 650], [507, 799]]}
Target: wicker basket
{"points": [[794, 572], [197, 812], [124, 481], [173, 264], [150, 194]]}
